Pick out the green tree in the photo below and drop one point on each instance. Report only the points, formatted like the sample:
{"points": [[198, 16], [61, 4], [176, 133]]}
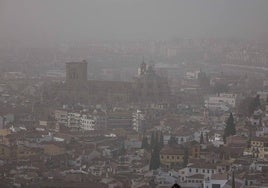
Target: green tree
{"points": [[201, 138], [161, 140], [122, 149], [186, 156], [207, 138], [220, 88], [152, 142], [172, 141], [230, 127], [254, 104], [156, 141], [145, 144], [155, 158], [233, 179], [203, 80]]}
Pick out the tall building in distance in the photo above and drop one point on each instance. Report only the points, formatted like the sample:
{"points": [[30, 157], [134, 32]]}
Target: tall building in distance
{"points": [[76, 73], [147, 88]]}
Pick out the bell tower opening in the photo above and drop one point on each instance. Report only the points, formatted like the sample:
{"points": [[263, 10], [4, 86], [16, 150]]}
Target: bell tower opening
{"points": [[76, 72]]}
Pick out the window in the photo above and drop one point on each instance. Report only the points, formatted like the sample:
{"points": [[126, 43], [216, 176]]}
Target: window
{"points": [[168, 157], [190, 170], [204, 171], [208, 171], [172, 157], [196, 170], [178, 157]]}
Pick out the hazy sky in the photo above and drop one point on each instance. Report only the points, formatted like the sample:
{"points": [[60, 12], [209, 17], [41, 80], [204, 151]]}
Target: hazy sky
{"points": [[57, 20]]}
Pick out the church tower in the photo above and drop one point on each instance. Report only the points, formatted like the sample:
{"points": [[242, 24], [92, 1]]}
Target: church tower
{"points": [[142, 68], [76, 73]]}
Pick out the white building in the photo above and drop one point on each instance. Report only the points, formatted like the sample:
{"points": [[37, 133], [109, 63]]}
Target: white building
{"points": [[256, 118], [87, 123], [217, 180], [61, 116], [207, 170], [192, 75], [222, 102], [76, 120], [138, 121], [73, 120]]}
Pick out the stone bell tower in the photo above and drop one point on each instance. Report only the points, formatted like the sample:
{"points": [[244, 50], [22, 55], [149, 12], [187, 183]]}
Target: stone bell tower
{"points": [[76, 73]]}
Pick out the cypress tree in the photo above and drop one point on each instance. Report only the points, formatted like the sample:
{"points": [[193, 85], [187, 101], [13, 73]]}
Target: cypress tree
{"points": [[122, 149], [145, 144], [233, 179], [172, 141], [230, 127], [207, 139], [201, 138], [156, 141], [254, 104], [152, 142], [185, 157], [161, 140], [155, 158]]}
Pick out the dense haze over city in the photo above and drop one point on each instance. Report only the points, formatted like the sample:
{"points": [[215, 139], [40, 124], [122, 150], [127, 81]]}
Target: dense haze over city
{"points": [[51, 21], [134, 93]]}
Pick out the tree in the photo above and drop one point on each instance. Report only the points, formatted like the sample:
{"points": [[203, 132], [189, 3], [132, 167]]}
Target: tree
{"points": [[201, 138], [155, 155], [207, 138], [155, 158], [233, 179], [156, 138], [172, 141], [230, 127], [220, 88], [255, 104], [152, 142], [203, 80], [145, 144], [161, 140], [122, 149], [186, 156]]}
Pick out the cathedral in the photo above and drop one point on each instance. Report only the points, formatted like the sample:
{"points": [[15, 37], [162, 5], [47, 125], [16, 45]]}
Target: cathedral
{"points": [[147, 87]]}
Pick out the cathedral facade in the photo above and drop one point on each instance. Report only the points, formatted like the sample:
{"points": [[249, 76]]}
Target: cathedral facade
{"points": [[147, 87]]}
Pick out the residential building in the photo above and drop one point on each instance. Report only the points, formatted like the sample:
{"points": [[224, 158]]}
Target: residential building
{"points": [[223, 102], [87, 122], [138, 122], [171, 156], [259, 147]]}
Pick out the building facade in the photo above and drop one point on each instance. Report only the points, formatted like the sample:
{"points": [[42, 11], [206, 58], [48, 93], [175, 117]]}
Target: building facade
{"points": [[148, 87]]}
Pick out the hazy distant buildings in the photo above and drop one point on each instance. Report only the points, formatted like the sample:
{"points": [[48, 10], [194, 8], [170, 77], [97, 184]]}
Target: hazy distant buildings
{"points": [[221, 102], [76, 73], [138, 122], [148, 87]]}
